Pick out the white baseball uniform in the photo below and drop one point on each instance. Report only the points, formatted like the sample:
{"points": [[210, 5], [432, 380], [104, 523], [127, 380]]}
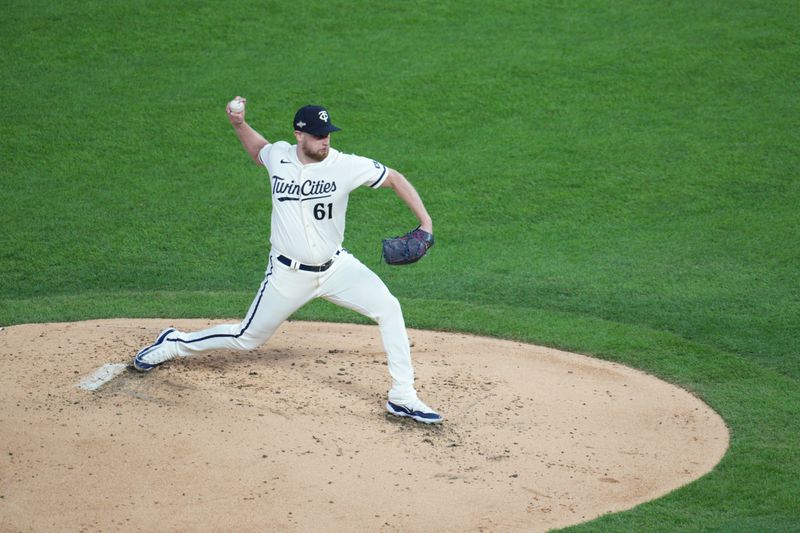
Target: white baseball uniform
{"points": [[307, 261]]}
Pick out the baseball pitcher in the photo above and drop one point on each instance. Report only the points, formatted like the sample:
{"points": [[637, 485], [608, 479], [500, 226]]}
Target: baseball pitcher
{"points": [[310, 186]]}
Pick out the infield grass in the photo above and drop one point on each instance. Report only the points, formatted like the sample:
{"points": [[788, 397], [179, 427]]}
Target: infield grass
{"points": [[614, 178]]}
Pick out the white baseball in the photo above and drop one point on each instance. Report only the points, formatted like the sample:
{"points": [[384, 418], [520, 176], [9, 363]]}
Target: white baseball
{"points": [[237, 106]]}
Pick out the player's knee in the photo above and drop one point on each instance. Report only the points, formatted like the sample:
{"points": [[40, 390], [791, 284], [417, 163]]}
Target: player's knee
{"points": [[248, 341], [394, 305], [391, 309]]}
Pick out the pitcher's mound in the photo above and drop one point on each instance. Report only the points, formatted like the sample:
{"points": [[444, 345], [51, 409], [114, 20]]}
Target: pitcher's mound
{"points": [[294, 436]]}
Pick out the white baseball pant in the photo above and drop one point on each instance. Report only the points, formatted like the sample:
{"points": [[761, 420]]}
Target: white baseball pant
{"points": [[348, 283]]}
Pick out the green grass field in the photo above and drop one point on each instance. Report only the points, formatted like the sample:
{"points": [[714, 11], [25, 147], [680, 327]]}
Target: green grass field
{"points": [[615, 178]]}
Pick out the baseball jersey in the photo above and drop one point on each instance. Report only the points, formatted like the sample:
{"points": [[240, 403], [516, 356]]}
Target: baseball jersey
{"points": [[309, 202]]}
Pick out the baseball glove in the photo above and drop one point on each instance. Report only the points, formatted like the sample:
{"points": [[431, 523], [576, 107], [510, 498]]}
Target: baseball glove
{"points": [[408, 248]]}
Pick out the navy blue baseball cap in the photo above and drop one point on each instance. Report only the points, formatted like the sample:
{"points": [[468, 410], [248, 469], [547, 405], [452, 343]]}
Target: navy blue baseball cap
{"points": [[314, 119]]}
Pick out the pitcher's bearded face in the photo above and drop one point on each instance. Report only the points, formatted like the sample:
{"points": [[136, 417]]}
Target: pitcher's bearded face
{"points": [[315, 147]]}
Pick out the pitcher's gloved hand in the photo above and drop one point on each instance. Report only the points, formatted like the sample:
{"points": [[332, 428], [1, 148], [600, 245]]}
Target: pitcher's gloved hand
{"points": [[408, 248]]}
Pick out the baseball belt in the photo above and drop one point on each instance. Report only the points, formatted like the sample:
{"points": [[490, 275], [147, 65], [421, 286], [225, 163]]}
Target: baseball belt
{"points": [[308, 268]]}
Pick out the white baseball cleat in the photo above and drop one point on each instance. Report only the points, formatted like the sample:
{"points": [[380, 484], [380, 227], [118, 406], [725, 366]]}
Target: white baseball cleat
{"points": [[415, 410], [149, 358]]}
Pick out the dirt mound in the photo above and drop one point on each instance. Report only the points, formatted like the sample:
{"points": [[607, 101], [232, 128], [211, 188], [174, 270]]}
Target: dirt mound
{"points": [[294, 436]]}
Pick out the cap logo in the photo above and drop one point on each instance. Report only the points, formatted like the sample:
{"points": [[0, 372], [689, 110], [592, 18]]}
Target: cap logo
{"points": [[301, 124], [323, 115]]}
